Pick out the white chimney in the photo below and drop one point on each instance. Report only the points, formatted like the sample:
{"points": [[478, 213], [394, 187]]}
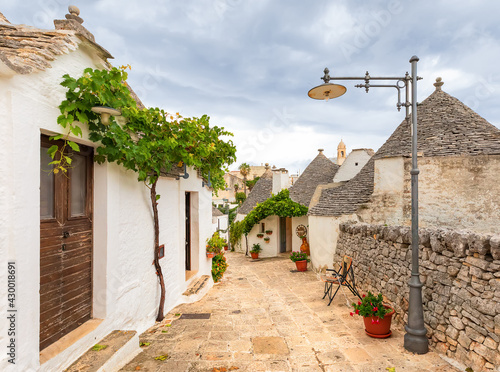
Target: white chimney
{"points": [[281, 180]]}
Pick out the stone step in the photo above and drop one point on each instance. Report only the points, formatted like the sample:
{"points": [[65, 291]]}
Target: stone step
{"points": [[197, 286], [120, 348]]}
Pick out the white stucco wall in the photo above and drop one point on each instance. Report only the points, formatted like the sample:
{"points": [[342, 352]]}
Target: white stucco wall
{"points": [[324, 232], [126, 292], [221, 223], [270, 249], [352, 165], [296, 241]]}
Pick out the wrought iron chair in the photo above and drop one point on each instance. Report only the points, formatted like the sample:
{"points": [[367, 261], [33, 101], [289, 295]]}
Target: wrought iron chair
{"points": [[344, 276]]}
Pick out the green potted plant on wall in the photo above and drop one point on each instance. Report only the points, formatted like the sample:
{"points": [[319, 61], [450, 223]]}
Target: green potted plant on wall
{"points": [[260, 235], [269, 232], [300, 259], [267, 239], [214, 244], [377, 316], [255, 251]]}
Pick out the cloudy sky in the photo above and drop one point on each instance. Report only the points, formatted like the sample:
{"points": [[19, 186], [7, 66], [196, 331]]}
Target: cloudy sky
{"points": [[249, 64]]}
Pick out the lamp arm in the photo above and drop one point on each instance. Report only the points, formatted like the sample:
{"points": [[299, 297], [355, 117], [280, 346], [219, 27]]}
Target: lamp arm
{"points": [[367, 86]]}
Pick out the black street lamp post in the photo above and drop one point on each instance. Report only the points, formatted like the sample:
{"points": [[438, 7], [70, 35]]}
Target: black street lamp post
{"points": [[415, 339]]}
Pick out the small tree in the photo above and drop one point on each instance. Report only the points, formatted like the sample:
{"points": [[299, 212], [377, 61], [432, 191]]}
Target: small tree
{"points": [[151, 142], [240, 197], [244, 171], [251, 183]]}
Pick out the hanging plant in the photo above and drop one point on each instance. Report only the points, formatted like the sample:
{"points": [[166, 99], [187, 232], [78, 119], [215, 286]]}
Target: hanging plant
{"points": [[278, 205]]}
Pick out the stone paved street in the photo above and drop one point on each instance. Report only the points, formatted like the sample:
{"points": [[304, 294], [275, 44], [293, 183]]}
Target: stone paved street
{"points": [[265, 316]]}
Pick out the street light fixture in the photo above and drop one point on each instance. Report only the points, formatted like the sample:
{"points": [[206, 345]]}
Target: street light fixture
{"points": [[415, 339]]}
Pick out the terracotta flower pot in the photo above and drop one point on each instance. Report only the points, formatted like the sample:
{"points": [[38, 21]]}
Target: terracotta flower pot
{"points": [[226, 248], [379, 328], [301, 265], [210, 254], [254, 255]]}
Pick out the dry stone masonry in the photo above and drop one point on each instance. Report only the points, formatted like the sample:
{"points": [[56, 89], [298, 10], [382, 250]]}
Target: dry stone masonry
{"points": [[460, 271]]}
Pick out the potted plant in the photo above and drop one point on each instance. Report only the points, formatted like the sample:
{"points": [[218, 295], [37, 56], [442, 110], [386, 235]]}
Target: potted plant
{"points": [[260, 235], [219, 266], [267, 239], [300, 259], [376, 315], [269, 232], [214, 245], [255, 251], [210, 251]]}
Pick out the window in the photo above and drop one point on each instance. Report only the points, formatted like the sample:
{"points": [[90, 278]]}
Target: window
{"points": [[262, 227], [356, 164]]}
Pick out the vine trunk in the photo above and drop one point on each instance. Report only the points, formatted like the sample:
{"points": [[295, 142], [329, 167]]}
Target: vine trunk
{"points": [[154, 203]]}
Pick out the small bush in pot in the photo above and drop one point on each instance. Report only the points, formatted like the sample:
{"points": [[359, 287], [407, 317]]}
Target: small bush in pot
{"points": [[376, 315], [254, 252], [300, 258]]}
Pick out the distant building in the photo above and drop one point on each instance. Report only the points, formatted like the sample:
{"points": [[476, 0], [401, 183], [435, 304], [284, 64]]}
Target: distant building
{"points": [[341, 153], [320, 171], [271, 182], [233, 179], [354, 162]]}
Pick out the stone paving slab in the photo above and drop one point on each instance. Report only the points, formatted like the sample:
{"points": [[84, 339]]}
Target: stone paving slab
{"points": [[265, 316]]}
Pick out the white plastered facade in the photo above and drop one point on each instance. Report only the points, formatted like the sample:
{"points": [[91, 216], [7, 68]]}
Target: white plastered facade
{"points": [[125, 287]]}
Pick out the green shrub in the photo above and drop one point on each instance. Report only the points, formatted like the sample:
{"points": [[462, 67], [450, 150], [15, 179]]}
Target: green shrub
{"points": [[219, 266]]}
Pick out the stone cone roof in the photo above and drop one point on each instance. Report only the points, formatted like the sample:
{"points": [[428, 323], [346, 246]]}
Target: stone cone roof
{"points": [[27, 50], [319, 172], [446, 127], [216, 212], [3, 19], [261, 192]]}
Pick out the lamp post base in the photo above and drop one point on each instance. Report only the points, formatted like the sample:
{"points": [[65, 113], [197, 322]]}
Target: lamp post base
{"points": [[415, 341]]}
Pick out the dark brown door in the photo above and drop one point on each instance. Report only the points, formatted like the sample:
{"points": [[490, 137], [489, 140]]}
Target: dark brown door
{"points": [[188, 231], [65, 244], [282, 234]]}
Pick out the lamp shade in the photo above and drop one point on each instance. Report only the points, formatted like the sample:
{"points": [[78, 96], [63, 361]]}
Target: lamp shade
{"points": [[327, 91], [105, 112]]}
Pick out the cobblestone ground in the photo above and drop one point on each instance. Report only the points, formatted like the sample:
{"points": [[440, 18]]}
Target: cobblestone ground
{"points": [[265, 316]]}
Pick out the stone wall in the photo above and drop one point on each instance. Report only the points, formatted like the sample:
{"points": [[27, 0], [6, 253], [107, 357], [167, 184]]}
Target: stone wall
{"points": [[460, 271], [454, 192]]}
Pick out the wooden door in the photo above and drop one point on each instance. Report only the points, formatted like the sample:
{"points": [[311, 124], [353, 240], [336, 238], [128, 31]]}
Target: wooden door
{"points": [[282, 234], [65, 244], [188, 231]]}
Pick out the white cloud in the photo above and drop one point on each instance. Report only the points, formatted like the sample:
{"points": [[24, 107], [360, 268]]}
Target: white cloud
{"points": [[243, 62]]}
